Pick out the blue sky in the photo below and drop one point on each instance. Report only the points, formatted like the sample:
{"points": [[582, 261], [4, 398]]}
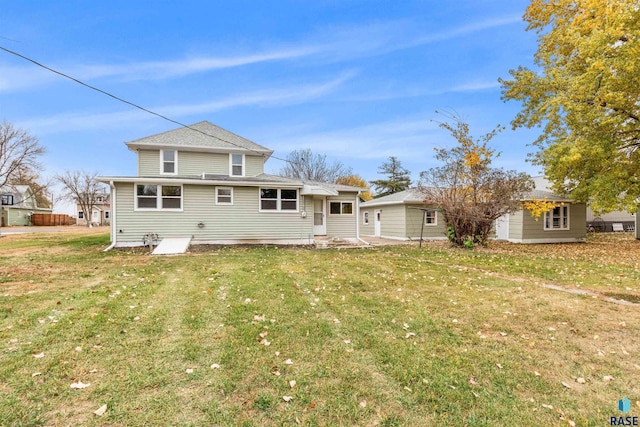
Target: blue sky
{"points": [[358, 81]]}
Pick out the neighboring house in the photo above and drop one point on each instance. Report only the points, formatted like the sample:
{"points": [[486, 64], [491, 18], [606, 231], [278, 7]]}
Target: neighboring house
{"points": [[18, 202], [101, 213], [563, 224], [401, 216], [604, 222], [209, 185]]}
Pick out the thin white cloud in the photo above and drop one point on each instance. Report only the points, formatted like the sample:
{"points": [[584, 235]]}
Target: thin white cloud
{"points": [[267, 98], [408, 138], [331, 44]]}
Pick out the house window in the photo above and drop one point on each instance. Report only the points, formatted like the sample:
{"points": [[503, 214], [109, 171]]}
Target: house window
{"points": [[275, 199], [341, 208], [7, 199], [80, 215], [167, 197], [557, 218], [169, 161], [237, 164], [365, 218], [430, 218], [99, 199], [224, 196], [106, 214]]}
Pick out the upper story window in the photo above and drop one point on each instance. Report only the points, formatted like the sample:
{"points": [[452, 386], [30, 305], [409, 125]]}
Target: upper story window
{"points": [[275, 199], [430, 218], [169, 161], [236, 164], [166, 197], [557, 218], [7, 199]]}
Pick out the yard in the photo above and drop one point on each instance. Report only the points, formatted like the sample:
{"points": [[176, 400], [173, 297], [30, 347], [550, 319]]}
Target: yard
{"points": [[388, 336]]}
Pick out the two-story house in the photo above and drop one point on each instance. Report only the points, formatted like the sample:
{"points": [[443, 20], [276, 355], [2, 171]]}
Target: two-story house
{"points": [[205, 183], [100, 213], [17, 204]]}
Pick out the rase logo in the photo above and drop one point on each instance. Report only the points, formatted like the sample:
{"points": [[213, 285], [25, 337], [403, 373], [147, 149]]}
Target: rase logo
{"points": [[624, 406]]}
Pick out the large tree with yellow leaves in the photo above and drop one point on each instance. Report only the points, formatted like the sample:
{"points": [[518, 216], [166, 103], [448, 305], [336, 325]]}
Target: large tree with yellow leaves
{"points": [[585, 95]]}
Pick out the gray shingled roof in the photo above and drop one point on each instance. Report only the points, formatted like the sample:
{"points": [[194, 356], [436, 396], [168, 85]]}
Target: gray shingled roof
{"points": [[205, 137], [411, 195]]}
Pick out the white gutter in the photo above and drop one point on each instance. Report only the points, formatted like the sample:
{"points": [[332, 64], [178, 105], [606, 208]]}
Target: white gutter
{"points": [[112, 207]]}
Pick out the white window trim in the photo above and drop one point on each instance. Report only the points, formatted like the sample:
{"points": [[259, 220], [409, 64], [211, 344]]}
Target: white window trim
{"points": [[224, 203], [433, 224], [549, 214], [158, 198], [175, 163], [365, 217], [279, 200], [231, 164], [341, 203]]}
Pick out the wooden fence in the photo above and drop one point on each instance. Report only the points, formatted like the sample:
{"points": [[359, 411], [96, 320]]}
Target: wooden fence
{"points": [[50, 219]]}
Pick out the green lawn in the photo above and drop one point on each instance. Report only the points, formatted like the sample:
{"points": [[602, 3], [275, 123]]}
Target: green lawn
{"points": [[388, 336]]}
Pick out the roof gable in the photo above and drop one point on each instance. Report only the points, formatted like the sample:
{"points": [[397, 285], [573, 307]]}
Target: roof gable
{"points": [[202, 136]]}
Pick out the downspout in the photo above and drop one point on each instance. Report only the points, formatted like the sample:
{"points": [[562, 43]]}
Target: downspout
{"points": [[358, 220], [112, 208]]}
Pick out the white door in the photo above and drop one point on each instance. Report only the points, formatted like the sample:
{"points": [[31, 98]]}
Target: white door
{"points": [[376, 222], [502, 227], [319, 217], [95, 217]]}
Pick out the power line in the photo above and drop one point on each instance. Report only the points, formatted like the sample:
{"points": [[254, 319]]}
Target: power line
{"points": [[146, 110]]}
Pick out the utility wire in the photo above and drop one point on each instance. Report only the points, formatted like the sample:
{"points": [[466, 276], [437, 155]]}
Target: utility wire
{"points": [[146, 110]]}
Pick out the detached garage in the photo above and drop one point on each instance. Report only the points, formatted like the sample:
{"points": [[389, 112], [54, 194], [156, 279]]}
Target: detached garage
{"points": [[401, 216]]}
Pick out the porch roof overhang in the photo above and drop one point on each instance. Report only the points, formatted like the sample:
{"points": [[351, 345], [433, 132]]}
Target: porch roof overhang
{"points": [[317, 190]]}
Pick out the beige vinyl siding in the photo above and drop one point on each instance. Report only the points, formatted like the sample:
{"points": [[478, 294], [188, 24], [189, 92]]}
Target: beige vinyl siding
{"points": [[148, 162], [532, 229], [342, 225], [515, 224], [524, 228], [254, 165], [196, 163], [414, 217], [242, 220], [367, 229], [393, 221]]}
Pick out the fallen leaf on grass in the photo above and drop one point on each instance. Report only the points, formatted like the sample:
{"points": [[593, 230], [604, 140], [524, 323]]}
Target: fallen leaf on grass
{"points": [[101, 410], [581, 380], [35, 374], [80, 385], [215, 366], [39, 355], [566, 384], [472, 381], [409, 335], [189, 371], [607, 378], [363, 404], [288, 362], [547, 406], [287, 398], [499, 365], [292, 383]]}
